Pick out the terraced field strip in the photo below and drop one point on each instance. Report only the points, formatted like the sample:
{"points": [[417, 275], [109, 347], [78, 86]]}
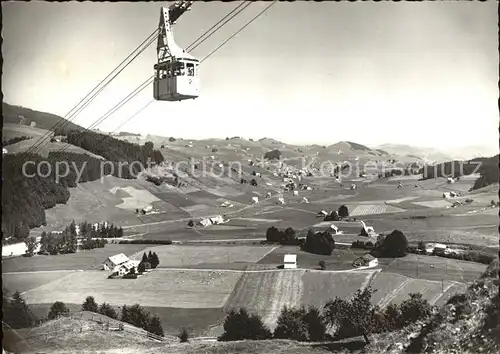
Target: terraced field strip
{"points": [[452, 289], [400, 200], [23, 282], [185, 255], [372, 209], [321, 287], [434, 203], [258, 220], [182, 289], [391, 295], [287, 292]]}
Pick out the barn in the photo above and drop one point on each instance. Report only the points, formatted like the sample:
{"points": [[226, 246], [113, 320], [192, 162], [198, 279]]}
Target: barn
{"points": [[290, 261], [114, 261]]}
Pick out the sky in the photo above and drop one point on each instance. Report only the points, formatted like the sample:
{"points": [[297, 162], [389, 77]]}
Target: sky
{"points": [[418, 73]]}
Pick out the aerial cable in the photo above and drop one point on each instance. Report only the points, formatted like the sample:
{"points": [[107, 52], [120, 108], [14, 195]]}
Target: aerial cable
{"points": [[106, 84], [220, 46], [155, 33], [141, 87], [67, 119], [217, 24], [241, 29]]}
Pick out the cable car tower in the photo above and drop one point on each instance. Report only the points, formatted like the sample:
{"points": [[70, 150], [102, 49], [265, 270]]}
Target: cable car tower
{"points": [[176, 73]]}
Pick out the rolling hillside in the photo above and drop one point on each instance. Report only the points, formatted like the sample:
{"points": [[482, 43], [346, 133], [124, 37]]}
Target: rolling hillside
{"points": [[25, 116]]}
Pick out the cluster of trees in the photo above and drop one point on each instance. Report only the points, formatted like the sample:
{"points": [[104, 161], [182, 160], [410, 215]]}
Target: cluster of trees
{"points": [[320, 242], [342, 212], [489, 170], [490, 173], [273, 155], [135, 315], [363, 245], [148, 261], [104, 230], [142, 318], [145, 242], [284, 237], [67, 241], [466, 255], [105, 309], [17, 139], [393, 245], [407, 171], [346, 318], [16, 311], [30, 189], [115, 150]]}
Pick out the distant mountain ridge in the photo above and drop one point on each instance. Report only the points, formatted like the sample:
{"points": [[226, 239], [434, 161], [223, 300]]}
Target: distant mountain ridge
{"points": [[438, 155]]}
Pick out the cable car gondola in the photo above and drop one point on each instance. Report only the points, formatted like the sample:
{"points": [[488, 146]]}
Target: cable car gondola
{"points": [[176, 72]]}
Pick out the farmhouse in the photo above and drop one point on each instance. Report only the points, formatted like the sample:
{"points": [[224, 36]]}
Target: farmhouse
{"points": [[322, 213], [204, 222], [216, 220], [114, 261], [255, 200], [450, 180], [290, 261], [334, 230], [365, 261], [440, 249], [125, 268]]}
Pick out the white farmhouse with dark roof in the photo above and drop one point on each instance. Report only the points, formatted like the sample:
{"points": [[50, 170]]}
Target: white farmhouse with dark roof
{"points": [[113, 261]]}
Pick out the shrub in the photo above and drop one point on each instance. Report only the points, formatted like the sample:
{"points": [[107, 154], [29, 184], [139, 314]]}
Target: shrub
{"points": [[322, 265], [107, 310], [136, 316], [171, 139], [316, 327], [184, 336], [415, 308], [393, 318], [31, 245], [291, 325], [90, 305], [273, 155], [343, 211], [239, 325], [142, 268], [154, 326], [352, 317], [358, 244], [57, 309]]}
